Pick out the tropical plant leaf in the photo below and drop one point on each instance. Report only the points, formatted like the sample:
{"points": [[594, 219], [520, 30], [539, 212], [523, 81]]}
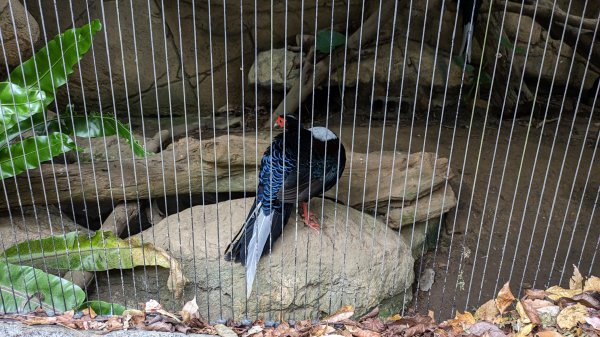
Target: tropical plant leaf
{"points": [[17, 104], [31, 152], [31, 123], [24, 288], [104, 308], [328, 40], [96, 126], [49, 67], [103, 251]]}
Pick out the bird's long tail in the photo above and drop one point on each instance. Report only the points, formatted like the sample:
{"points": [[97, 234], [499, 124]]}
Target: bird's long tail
{"points": [[467, 42], [250, 242], [260, 234]]}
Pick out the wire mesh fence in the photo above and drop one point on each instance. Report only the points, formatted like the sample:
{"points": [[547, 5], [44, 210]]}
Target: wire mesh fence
{"points": [[282, 159]]}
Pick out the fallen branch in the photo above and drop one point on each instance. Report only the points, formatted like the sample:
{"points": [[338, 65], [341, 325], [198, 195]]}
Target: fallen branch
{"points": [[544, 13], [304, 84], [220, 170]]}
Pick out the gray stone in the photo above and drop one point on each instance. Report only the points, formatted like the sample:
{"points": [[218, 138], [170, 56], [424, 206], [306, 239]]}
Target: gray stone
{"points": [[350, 261], [271, 68], [20, 31], [526, 27], [16, 329]]}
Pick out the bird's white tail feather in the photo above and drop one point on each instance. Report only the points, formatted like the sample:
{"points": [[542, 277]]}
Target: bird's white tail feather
{"points": [[467, 42], [262, 228]]}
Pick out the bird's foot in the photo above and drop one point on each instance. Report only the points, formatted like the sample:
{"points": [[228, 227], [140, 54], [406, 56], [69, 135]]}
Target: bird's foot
{"points": [[309, 218]]}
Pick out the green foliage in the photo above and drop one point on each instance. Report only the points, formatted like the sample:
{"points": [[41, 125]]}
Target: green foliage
{"points": [[29, 153], [31, 89], [104, 308], [48, 68], [76, 251], [28, 138], [18, 104], [328, 40], [24, 288], [95, 126]]}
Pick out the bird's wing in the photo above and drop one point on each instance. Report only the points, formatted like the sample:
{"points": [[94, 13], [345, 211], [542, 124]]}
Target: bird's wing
{"points": [[299, 188]]}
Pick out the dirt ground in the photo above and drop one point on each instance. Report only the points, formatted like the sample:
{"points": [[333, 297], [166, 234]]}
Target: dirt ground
{"points": [[523, 215]]}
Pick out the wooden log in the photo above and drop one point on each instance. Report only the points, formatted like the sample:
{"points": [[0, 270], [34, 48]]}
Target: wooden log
{"points": [[223, 164]]}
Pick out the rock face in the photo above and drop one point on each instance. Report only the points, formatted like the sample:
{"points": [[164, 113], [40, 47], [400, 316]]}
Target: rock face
{"points": [[354, 259], [20, 32], [151, 58], [271, 68]]}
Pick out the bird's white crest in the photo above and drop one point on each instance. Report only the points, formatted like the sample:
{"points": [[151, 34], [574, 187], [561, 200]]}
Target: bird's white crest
{"points": [[323, 134]]}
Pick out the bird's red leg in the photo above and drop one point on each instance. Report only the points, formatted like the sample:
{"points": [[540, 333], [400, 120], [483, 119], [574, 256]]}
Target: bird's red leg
{"points": [[309, 218]]}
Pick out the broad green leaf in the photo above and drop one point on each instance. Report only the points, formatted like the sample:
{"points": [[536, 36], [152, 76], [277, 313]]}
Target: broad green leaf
{"points": [[103, 251], [17, 104], [328, 40], [32, 123], [104, 308], [48, 68], [97, 126], [23, 288], [31, 152]]}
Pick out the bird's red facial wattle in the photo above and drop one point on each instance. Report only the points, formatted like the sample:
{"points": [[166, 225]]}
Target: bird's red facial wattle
{"points": [[280, 121]]}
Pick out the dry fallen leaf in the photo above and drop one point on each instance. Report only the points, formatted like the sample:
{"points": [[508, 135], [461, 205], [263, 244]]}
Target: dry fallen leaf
{"points": [[486, 329], [522, 314], [487, 312], [90, 312], [594, 322], [556, 292], [530, 311], [461, 322], [548, 333], [576, 281], [345, 312], [190, 310], [114, 323], [592, 284], [504, 299], [589, 299], [535, 294], [321, 329], [570, 316], [538, 304], [40, 320], [526, 330], [358, 332]]}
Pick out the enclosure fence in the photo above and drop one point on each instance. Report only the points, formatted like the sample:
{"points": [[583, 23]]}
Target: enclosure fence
{"points": [[432, 151]]}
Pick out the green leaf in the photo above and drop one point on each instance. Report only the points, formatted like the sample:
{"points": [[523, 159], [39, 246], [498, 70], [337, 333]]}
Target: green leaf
{"points": [[328, 40], [24, 288], [31, 152], [32, 123], [104, 308], [97, 126], [17, 104], [48, 68], [103, 251]]}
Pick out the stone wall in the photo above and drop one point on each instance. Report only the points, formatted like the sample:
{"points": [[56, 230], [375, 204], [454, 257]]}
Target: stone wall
{"points": [[156, 55]]}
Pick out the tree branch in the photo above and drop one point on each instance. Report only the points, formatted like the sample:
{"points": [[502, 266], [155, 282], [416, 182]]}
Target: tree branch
{"points": [[362, 36]]}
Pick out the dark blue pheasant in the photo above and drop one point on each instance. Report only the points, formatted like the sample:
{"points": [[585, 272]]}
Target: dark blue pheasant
{"points": [[290, 172]]}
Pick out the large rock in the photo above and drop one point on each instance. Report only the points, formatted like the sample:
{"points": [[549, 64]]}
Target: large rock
{"points": [[20, 31], [526, 27], [271, 68], [354, 259]]}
